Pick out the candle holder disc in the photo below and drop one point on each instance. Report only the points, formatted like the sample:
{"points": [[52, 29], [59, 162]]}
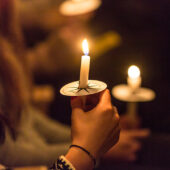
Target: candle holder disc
{"points": [[72, 89]]}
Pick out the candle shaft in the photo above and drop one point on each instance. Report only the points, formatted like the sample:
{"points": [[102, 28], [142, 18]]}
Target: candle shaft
{"points": [[134, 83], [84, 71], [132, 109]]}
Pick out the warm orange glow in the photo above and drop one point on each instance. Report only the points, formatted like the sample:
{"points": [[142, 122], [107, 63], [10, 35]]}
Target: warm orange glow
{"points": [[85, 47], [133, 71]]}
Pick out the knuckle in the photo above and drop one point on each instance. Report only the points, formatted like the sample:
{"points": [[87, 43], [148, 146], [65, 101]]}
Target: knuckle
{"points": [[110, 112], [117, 117], [107, 109], [115, 109]]}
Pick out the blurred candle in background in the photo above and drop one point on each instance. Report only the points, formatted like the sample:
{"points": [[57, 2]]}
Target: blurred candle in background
{"points": [[134, 78], [134, 82], [85, 66]]}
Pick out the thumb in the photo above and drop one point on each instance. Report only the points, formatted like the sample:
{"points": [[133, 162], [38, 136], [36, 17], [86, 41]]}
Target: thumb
{"points": [[105, 98]]}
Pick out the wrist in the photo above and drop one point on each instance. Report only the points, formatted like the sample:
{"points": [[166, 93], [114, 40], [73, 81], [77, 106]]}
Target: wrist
{"points": [[90, 147], [79, 159]]}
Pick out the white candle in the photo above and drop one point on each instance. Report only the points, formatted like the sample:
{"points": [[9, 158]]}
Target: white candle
{"points": [[85, 66], [134, 78]]}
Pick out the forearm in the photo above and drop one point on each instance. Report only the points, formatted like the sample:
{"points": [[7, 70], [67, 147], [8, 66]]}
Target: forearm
{"points": [[27, 154], [55, 132], [51, 130]]}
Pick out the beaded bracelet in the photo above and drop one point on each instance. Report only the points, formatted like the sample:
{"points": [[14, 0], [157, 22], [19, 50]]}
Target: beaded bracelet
{"points": [[91, 156], [62, 164]]}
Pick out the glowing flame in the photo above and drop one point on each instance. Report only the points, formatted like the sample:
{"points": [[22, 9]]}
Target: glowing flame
{"points": [[133, 71], [85, 47]]}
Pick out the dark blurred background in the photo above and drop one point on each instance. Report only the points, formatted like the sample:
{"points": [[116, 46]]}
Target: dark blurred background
{"points": [[144, 30], [144, 27]]}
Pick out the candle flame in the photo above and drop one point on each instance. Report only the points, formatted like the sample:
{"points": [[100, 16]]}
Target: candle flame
{"points": [[133, 71], [85, 47]]}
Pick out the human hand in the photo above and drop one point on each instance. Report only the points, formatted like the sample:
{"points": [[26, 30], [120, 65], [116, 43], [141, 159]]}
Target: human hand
{"points": [[96, 130], [128, 145]]}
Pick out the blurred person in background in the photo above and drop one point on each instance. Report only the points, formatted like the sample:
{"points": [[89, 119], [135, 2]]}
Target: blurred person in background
{"points": [[16, 99], [29, 138], [13, 56], [70, 29], [44, 29]]}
